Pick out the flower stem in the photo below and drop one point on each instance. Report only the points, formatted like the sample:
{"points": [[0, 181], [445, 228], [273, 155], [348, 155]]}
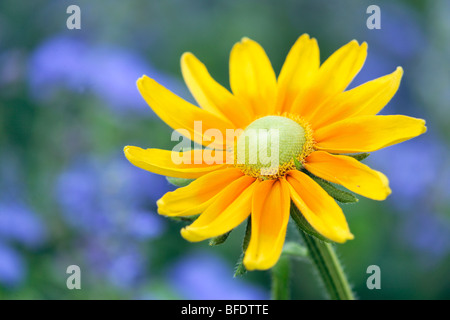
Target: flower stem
{"points": [[280, 279], [330, 270]]}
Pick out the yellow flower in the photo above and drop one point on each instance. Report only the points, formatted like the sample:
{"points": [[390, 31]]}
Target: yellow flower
{"points": [[317, 123]]}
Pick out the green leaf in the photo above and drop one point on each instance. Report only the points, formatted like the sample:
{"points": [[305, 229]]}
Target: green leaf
{"points": [[338, 194], [303, 224], [179, 182], [360, 156], [219, 240], [240, 270], [295, 250]]}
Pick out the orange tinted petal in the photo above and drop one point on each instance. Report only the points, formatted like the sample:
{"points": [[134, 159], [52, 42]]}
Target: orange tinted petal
{"points": [[349, 173], [270, 216], [318, 208], [195, 197], [229, 208]]}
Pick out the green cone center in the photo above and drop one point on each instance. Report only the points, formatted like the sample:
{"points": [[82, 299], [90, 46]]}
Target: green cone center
{"points": [[270, 142]]}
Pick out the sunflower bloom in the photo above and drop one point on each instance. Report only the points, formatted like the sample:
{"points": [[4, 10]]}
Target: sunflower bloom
{"points": [[317, 123]]}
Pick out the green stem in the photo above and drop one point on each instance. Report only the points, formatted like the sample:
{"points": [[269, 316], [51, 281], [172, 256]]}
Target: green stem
{"points": [[280, 279], [324, 258], [329, 268]]}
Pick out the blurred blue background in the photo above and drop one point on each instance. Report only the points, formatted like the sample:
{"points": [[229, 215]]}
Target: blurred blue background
{"points": [[69, 103]]}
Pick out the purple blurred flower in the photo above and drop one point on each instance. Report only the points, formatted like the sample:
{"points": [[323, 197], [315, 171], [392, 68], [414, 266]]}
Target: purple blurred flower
{"points": [[412, 168], [19, 224], [110, 203], [418, 178], [120, 262], [108, 197], [108, 72], [376, 65], [399, 42], [126, 269], [145, 225], [12, 267], [78, 192], [429, 232], [58, 61], [201, 276], [400, 35]]}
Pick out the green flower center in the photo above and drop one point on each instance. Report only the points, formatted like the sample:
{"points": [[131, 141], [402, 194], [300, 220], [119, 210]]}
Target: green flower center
{"points": [[271, 144]]}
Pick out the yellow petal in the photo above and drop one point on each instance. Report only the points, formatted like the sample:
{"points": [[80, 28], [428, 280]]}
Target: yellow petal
{"points": [[227, 211], [366, 99], [198, 195], [318, 208], [252, 78], [162, 162], [349, 173], [180, 114], [367, 133], [334, 75], [270, 216], [210, 95], [301, 64]]}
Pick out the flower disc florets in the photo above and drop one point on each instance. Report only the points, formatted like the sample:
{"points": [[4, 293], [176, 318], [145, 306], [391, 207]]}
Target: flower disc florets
{"points": [[272, 145]]}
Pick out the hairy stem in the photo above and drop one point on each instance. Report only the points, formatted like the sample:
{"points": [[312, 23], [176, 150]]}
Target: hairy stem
{"points": [[280, 279], [324, 258], [329, 268]]}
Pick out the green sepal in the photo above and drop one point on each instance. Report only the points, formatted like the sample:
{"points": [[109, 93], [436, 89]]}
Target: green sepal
{"points": [[185, 219], [239, 269], [304, 225], [294, 249], [338, 194], [248, 233], [219, 240], [360, 156], [179, 182]]}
